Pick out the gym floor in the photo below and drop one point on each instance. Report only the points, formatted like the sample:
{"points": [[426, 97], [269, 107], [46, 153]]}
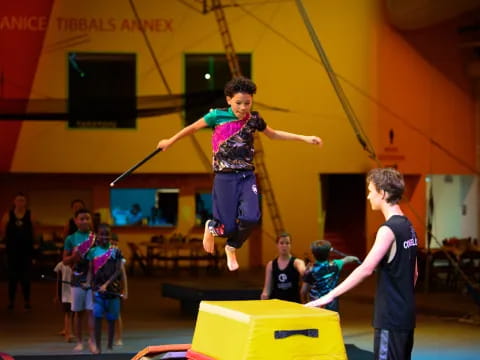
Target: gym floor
{"points": [[443, 331]]}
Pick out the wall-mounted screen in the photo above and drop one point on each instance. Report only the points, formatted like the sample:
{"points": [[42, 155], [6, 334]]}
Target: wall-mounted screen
{"points": [[147, 207], [203, 207]]}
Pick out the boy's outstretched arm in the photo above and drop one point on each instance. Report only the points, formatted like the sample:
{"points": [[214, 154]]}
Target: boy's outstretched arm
{"points": [[187, 130], [349, 259], [284, 135], [381, 246]]}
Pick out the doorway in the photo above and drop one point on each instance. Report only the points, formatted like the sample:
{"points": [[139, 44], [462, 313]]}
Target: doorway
{"points": [[343, 199]]}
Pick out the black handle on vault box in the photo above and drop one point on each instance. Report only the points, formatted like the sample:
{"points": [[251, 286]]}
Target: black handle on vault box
{"points": [[282, 334]]}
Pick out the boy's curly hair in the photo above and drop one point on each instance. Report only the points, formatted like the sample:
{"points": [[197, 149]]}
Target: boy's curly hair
{"points": [[240, 85]]}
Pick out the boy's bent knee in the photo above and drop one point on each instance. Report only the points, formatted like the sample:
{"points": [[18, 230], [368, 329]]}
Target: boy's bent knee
{"points": [[247, 223]]}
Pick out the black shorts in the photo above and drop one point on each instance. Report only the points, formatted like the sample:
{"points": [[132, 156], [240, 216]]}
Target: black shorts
{"points": [[67, 307], [393, 344]]}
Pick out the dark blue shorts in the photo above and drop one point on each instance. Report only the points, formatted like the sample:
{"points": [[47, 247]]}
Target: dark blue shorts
{"points": [[106, 307]]}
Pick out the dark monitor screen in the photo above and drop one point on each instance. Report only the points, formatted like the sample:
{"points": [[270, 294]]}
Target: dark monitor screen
{"points": [[102, 90]]}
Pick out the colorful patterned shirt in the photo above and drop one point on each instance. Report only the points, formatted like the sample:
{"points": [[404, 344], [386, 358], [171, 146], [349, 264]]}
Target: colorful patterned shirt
{"points": [[232, 139], [323, 277], [79, 269], [106, 262]]}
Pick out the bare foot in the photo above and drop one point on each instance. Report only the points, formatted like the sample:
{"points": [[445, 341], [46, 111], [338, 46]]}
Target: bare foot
{"points": [[78, 347], [208, 239], [69, 338], [93, 347], [232, 263]]}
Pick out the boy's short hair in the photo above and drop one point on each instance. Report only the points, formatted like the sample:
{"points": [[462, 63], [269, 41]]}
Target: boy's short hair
{"points": [[105, 226], [389, 180], [73, 202], [240, 84], [282, 235], [321, 249], [82, 211]]}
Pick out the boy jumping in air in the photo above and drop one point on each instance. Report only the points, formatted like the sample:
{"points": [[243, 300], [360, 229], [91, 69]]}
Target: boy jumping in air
{"points": [[234, 196]]}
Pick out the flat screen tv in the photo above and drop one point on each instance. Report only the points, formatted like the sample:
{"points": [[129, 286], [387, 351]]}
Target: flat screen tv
{"points": [[144, 207]]}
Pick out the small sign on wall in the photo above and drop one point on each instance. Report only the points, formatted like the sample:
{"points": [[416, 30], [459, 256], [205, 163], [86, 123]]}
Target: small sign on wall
{"points": [[391, 153]]}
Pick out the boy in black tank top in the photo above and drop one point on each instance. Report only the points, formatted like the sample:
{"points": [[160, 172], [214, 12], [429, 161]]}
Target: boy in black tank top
{"points": [[283, 274], [394, 256]]}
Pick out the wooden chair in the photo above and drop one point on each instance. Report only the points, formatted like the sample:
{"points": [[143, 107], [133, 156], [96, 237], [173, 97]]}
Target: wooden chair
{"points": [[195, 247], [441, 269], [470, 264], [157, 250], [137, 257], [176, 248]]}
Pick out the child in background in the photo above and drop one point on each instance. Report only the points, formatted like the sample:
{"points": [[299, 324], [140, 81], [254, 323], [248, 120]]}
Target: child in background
{"points": [[284, 273], [124, 292], [106, 267], [323, 276], [63, 295], [70, 227]]}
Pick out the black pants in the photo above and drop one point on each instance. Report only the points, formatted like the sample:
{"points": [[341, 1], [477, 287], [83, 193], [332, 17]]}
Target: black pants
{"points": [[393, 344], [236, 205], [19, 271]]}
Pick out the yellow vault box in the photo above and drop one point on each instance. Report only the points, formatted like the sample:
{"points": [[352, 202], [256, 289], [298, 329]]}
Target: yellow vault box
{"points": [[267, 330]]}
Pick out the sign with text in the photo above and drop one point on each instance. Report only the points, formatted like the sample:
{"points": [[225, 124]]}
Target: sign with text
{"points": [[84, 24]]}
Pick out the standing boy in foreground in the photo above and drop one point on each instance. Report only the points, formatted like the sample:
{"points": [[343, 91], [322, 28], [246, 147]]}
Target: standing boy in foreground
{"points": [[394, 256], [234, 196], [106, 265], [76, 248]]}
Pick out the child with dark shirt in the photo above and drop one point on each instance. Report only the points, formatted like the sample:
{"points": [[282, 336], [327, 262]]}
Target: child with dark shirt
{"points": [[284, 273], [235, 200], [106, 263], [323, 275]]}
